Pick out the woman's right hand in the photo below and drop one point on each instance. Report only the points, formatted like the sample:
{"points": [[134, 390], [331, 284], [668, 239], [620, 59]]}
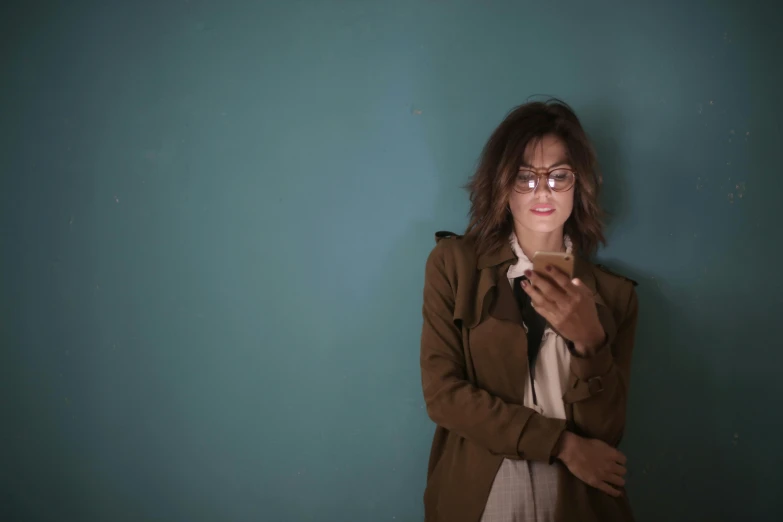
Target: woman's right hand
{"points": [[593, 461]]}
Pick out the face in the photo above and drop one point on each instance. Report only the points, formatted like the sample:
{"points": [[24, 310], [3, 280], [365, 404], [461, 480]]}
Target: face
{"points": [[543, 210]]}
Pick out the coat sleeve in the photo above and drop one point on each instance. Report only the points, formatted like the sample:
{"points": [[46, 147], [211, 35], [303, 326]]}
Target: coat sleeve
{"points": [[598, 388], [511, 430]]}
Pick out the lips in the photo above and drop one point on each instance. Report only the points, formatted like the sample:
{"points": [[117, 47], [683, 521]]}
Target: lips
{"points": [[543, 210]]}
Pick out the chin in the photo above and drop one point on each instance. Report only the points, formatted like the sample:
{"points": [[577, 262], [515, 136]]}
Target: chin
{"points": [[544, 227], [547, 229]]}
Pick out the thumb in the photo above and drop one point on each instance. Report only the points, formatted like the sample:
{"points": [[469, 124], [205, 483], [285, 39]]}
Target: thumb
{"points": [[581, 286]]}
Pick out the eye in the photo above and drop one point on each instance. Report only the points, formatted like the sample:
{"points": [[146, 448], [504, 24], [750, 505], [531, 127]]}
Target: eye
{"points": [[560, 175], [525, 176]]}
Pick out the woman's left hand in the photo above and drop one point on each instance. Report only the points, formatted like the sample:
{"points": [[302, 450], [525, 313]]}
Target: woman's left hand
{"points": [[568, 305]]}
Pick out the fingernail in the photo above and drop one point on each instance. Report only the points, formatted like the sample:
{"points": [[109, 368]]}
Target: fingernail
{"points": [[524, 283], [528, 273]]}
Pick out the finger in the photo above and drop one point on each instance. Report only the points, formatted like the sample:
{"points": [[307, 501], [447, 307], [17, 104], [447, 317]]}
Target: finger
{"points": [[617, 469], [544, 307], [548, 287], [615, 480], [578, 286], [537, 298], [560, 278], [619, 458], [609, 490]]}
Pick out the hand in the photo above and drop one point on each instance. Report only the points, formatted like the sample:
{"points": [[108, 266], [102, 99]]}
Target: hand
{"points": [[594, 462], [568, 306]]}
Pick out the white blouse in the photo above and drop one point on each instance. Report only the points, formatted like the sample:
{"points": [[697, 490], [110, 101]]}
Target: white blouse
{"points": [[526, 491], [552, 366]]}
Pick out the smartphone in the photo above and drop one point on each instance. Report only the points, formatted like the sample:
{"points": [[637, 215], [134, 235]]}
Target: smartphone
{"points": [[560, 260]]}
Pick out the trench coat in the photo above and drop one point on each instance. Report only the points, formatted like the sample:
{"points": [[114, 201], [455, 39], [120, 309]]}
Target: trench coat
{"points": [[474, 364]]}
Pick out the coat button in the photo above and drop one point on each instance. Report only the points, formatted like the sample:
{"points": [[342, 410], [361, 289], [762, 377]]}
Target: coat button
{"points": [[595, 385]]}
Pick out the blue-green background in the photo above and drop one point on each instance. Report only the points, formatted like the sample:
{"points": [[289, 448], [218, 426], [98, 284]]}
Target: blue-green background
{"points": [[214, 218]]}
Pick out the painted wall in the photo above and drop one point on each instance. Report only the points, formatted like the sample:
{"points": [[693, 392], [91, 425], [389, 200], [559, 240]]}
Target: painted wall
{"points": [[215, 216]]}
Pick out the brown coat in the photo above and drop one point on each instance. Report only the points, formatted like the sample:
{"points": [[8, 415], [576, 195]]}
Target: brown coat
{"points": [[474, 364]]}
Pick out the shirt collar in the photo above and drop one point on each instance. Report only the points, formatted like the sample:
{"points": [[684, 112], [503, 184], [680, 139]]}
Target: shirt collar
{"points": [[523, 263]]}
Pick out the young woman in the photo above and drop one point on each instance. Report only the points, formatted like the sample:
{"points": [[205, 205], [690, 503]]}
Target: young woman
{"points": [[526, 373]]}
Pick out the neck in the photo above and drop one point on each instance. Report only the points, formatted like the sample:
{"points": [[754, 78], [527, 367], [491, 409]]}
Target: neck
{"points": [[531, 241]]}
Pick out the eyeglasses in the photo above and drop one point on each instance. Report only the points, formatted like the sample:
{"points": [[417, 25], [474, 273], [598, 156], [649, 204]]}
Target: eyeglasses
{"points": [[558, 179]]}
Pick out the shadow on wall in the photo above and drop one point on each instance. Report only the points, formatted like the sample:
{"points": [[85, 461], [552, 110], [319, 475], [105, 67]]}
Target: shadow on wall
{"points": [[674, 400], [685, 460], [603, 125]]}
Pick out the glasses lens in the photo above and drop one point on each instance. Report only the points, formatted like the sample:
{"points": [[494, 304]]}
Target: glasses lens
{"points": [[526, 181], [561, 179]]}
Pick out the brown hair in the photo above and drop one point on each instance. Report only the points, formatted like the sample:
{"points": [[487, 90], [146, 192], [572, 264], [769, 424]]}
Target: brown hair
{"points": [[491, 222]]}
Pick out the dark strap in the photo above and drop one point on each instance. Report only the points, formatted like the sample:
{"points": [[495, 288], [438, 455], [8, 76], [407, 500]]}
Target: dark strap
{"points": [[444, 234], [535, 328]]}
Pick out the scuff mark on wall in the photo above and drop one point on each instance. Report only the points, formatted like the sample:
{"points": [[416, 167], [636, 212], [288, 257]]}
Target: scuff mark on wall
{"points": [[738, 192]]}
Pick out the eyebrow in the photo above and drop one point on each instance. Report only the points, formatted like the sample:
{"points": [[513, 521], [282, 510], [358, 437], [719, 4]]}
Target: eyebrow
{"points": [[558, 164]]}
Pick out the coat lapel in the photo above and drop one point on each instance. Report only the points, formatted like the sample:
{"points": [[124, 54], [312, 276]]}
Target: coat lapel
{"points": [[494, 296], [504, 305]]}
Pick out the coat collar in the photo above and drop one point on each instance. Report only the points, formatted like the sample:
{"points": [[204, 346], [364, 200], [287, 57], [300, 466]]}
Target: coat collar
{"points": [[499, 256], [497, 297], [500, 259], [502, 304]]}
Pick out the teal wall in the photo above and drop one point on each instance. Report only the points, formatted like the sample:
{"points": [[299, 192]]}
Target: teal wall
{"points": [[215, 216]]}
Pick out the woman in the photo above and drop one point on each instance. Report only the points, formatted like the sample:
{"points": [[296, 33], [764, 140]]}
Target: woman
{"points": [[513, 444]]}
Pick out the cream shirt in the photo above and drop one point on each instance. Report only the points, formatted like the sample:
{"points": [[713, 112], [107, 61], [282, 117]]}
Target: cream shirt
{"points": [[526, 491], [552, 366]]}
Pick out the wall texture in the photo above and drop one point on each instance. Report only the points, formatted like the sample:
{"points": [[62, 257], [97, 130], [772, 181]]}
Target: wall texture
{"points": [[214, 218]]}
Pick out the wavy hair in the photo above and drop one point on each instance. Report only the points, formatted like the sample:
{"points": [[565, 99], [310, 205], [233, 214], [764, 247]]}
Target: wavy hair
{"points": [[490, 186]]}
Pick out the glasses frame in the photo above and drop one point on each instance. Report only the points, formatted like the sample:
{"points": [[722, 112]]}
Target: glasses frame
{"points": [[545, 174]]}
